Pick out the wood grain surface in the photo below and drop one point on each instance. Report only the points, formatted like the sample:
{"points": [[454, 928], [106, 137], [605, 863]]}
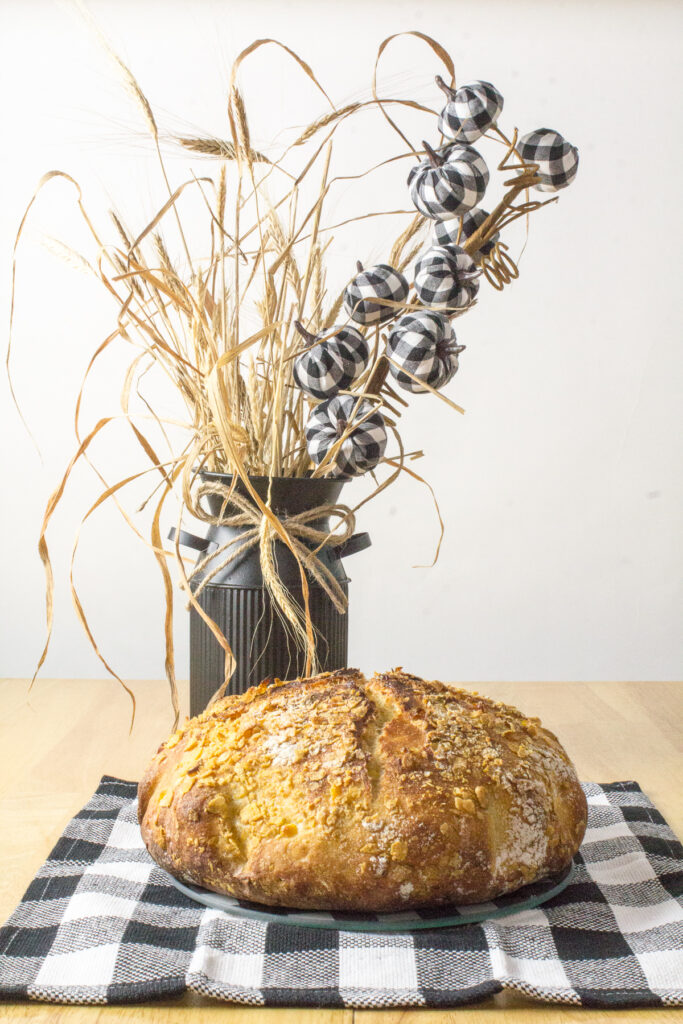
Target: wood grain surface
{"points": [[59, 738]]}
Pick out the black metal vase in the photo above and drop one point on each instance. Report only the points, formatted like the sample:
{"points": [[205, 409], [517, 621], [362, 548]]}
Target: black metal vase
{"points": [[237, 600]]}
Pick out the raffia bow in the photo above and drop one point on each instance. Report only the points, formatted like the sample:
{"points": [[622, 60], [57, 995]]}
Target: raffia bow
{"points": [[305, 539]]}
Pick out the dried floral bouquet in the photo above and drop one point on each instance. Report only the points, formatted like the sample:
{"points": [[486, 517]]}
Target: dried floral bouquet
{"points": [[316, 390]]}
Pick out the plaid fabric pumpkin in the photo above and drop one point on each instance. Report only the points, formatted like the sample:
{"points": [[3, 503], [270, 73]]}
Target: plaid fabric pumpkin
{"points": [[557, 159], [423, 343], [363, 298], [446, 277], [446, 231], [450, 183], [365, 444], [470, 111], [340, 355]]}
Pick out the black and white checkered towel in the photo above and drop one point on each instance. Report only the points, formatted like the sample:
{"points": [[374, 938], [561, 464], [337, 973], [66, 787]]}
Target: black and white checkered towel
{"points": [[100, 923]]}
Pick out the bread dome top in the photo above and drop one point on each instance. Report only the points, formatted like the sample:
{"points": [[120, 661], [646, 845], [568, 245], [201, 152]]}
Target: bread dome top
{"points": [[350, 793]]}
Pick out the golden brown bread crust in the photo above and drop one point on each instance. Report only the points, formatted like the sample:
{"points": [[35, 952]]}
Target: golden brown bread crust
{"points": [[345, 793]]}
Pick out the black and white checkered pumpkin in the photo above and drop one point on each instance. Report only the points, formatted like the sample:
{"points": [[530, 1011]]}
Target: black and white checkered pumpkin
{"points": [[365, 444], [368, 298], [423, 343], [470, 110], [557, 159], [449, 183], [333, 360], [446, 231], [446, 277]]}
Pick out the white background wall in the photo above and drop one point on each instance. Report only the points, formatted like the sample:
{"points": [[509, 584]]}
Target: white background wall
{"points": [[560, 487]]}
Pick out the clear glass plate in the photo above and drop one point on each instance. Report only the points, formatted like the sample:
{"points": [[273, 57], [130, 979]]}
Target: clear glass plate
{"points": [[404, 921]]}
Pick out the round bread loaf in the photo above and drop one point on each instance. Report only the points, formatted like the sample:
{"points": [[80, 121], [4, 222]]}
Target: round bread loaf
{"points": [[346, 793]]}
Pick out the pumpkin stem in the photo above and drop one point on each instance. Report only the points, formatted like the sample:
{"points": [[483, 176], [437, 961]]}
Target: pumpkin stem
{"points": [[306, 335], [450, 93], [359, 266], [376, 380], [434, 158]]}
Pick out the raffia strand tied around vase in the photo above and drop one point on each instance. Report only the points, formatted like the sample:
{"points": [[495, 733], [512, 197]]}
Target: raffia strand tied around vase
{"points": [[238, 511]]}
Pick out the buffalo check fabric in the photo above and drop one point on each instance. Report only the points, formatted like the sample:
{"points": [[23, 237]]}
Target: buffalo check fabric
{"points": [[557, 159], [364, 445], [100, 923], [373, 295], [331, 365], [454, 186], [470, 111]]}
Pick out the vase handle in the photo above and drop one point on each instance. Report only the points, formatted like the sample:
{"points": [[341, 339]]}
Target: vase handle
{"points": [[359, 542], [189, 540]]}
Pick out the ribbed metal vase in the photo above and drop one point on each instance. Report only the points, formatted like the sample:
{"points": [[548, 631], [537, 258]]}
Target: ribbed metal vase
{"points": [[240, 605]]}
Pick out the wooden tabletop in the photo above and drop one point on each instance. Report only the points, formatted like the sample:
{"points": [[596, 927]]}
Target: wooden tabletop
{"points": [[58, 740]]}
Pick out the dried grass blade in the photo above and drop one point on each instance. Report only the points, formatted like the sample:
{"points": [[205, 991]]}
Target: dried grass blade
{"points": [[427, 387], [149, 451], [275, 42], [229, 357], [435, 47], [43, 551], [49, 176], [98, 352], [168, 597], [80, 611], [170, 202], [442, 527], [161, 557]]}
